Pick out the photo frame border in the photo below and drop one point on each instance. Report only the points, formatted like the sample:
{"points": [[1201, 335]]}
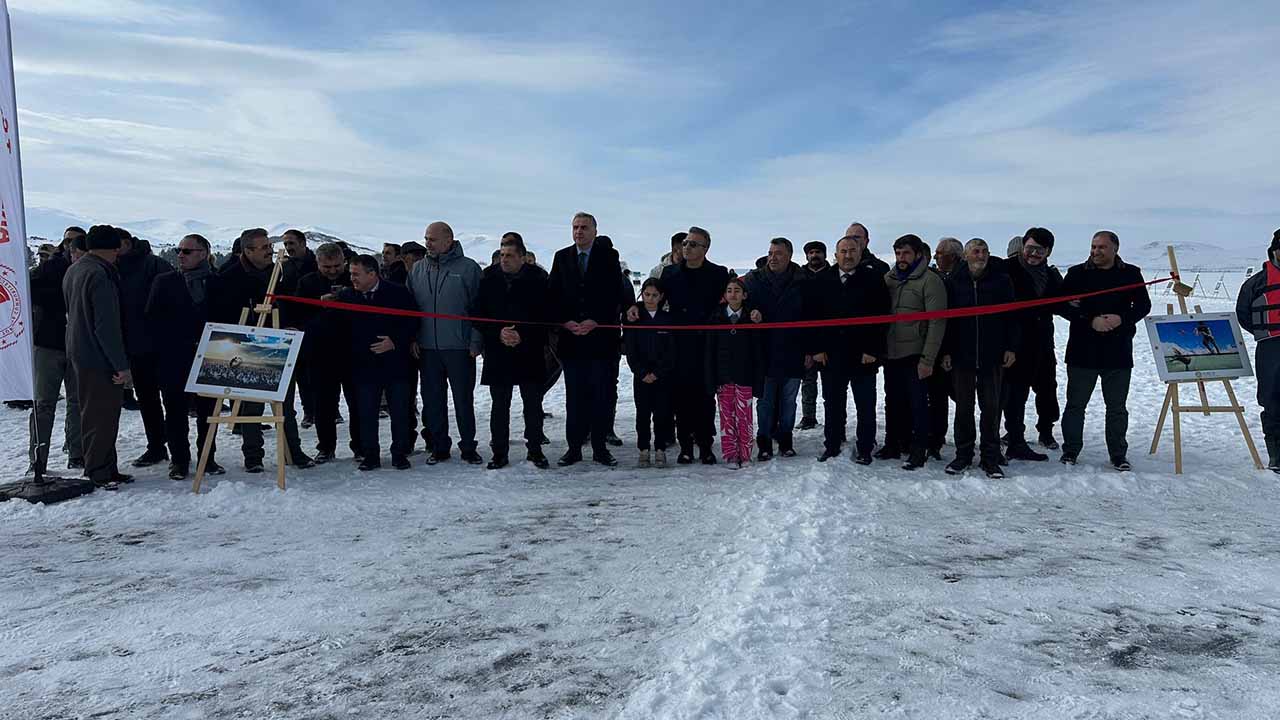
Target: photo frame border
{"points": [[1162, 367], [220, 391]]}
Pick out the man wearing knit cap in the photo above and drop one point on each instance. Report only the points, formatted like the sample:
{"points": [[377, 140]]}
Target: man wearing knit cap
{"points": [[96, 351], [815, 254], [1257, 308]]}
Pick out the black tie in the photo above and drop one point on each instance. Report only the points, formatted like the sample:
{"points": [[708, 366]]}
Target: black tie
{"points": [[844, 279], [582, 262], [368, 296]]}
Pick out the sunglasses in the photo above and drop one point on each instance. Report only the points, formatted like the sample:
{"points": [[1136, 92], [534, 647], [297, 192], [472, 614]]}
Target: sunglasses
{"points": [[188, 251], [688, 244], [1033, 250]]}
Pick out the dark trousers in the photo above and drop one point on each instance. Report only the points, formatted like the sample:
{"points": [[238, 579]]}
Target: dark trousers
{"points": [[695, 413], [369, 394], [1115, 394], [100, 404], [985, 384], [1267, 367], [500, 417], [251, 433], [613, 394], [653, 402], [941, 393], [1017, 389], [326, 389], [809, 394], [908, 396], [306, 388], [146, 387], [52, 372], [446, 371], [586, 387], [835, 406]]}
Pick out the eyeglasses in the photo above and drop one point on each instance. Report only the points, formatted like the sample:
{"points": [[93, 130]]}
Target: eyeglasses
{"points": [[188, 251], [1034, 250], [689, 244]]}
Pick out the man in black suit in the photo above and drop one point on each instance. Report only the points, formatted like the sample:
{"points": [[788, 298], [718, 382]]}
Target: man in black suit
{"points": [[177, 308], [325, 349], [582, 295], [380, 360]]}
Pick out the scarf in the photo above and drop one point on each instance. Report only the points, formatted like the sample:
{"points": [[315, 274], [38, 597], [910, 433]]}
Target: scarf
{"points": [[902, 275], [196, 281], [1039, 274]]}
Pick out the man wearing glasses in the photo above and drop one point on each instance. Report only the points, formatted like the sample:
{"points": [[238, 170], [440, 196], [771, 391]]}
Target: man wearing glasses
{"points": [[177, 309], [1033, 278]]}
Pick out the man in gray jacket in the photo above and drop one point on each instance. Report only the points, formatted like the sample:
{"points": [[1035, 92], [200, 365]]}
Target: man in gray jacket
{"points": [[447, 282], [96, 351]]}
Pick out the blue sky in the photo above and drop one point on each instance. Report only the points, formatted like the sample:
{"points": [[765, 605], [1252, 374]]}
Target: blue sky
{"points": [[1155, 119]]}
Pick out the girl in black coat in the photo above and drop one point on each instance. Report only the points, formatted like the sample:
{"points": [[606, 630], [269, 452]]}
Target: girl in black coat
{"points": [[651, 355], [735, 372]]}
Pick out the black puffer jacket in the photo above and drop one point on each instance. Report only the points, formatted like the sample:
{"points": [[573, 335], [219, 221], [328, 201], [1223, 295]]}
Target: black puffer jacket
{"points": [[783, 298], [138, 270], [48, 308], [980, 341], [1086, 347], [651, 351]]}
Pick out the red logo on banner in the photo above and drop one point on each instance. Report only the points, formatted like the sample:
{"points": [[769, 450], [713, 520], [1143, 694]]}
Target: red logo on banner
{"points": [[4, 224], [11, 325]]}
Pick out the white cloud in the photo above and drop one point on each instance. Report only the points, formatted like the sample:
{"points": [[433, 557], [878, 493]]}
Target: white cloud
{"points": [[112, 11]]}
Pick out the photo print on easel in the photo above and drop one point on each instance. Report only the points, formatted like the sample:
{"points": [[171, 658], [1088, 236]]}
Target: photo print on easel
{"points": [[1202, 346], [241, 362]]}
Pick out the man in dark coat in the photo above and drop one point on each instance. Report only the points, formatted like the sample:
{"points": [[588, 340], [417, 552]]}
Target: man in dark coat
{"points": [[393, 266], [815, 254], [326, 348], [96, 351], [301, 262], [380, 360], [779, 291], [850, 354], [1033, 278], [1100, 345], [52, 371], [583, 294], [1258, 310], [139, 268], [177, 309], [694, 288], [245, 286], [513, 353], [976, 351], [947, 256]]}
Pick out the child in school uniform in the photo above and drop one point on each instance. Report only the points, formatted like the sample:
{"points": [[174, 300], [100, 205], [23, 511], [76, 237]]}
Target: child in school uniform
{"points": [[651, 355], [735, 371]]}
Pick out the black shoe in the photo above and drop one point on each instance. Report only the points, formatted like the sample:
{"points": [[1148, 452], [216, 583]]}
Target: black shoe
{"points": [[177, 472], [302, 461], [888, 453], [339, 419], [1047, 441], [213, 468], [958, 466], [253, 468], [471, 457], [440, 456], [764, 455], [786, 448], [545, 440], [993, 470], [538, 459], [106, 484], [604, 457], [497, 463], [150, 457], [807, 423], [1067, 459], [916, 460], [862, 458], [684, 458], [75, 464], [400, 462], [369, 464], [130, 404], [1023, 451], [1121, 464], [573, 456], [121, 478], [613, 439], [322, 457], [307, 422], [828, 454], [935, 454], [430, 460], [708, 458]]}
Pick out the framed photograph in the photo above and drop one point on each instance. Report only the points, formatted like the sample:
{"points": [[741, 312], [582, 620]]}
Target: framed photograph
{"points": [[241, 362], [1204, 346]]}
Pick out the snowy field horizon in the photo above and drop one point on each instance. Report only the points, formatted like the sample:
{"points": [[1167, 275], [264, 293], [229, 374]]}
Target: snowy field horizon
{"points": [[788, 589]]}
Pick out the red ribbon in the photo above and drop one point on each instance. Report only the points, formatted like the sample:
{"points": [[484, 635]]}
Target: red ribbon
{"points": [[834, 322]]}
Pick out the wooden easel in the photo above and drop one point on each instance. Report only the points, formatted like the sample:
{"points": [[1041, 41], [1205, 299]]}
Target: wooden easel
{"points": [[1171, 396], [283, 457]]}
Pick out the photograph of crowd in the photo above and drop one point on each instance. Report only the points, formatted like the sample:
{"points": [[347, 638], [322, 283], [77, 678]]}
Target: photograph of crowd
{"points": [[1193, 347], [244, 362]]}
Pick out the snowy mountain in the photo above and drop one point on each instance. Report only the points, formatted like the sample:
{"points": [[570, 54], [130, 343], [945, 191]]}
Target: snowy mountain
{"points": [[1192, 256]]}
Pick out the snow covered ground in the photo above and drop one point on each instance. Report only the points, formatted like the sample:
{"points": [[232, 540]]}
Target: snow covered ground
{"points": [[791, 589]]}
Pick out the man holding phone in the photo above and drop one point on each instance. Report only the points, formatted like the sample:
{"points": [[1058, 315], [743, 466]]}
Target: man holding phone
{"points": [[325, 349]]}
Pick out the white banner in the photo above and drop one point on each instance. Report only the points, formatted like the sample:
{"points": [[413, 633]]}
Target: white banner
{"points": [[16, 379]]}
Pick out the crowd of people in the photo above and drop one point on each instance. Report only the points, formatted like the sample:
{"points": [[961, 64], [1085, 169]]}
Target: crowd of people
{"points": [[109, 314]]}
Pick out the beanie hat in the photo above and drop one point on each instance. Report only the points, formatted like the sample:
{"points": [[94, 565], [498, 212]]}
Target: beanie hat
{"points": [[1015, 245], [1042, 236], [815, 245], [1275, 242], [102, 237]]}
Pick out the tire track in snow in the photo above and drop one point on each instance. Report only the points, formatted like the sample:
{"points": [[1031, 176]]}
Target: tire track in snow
{"points": [[756, 649]]}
